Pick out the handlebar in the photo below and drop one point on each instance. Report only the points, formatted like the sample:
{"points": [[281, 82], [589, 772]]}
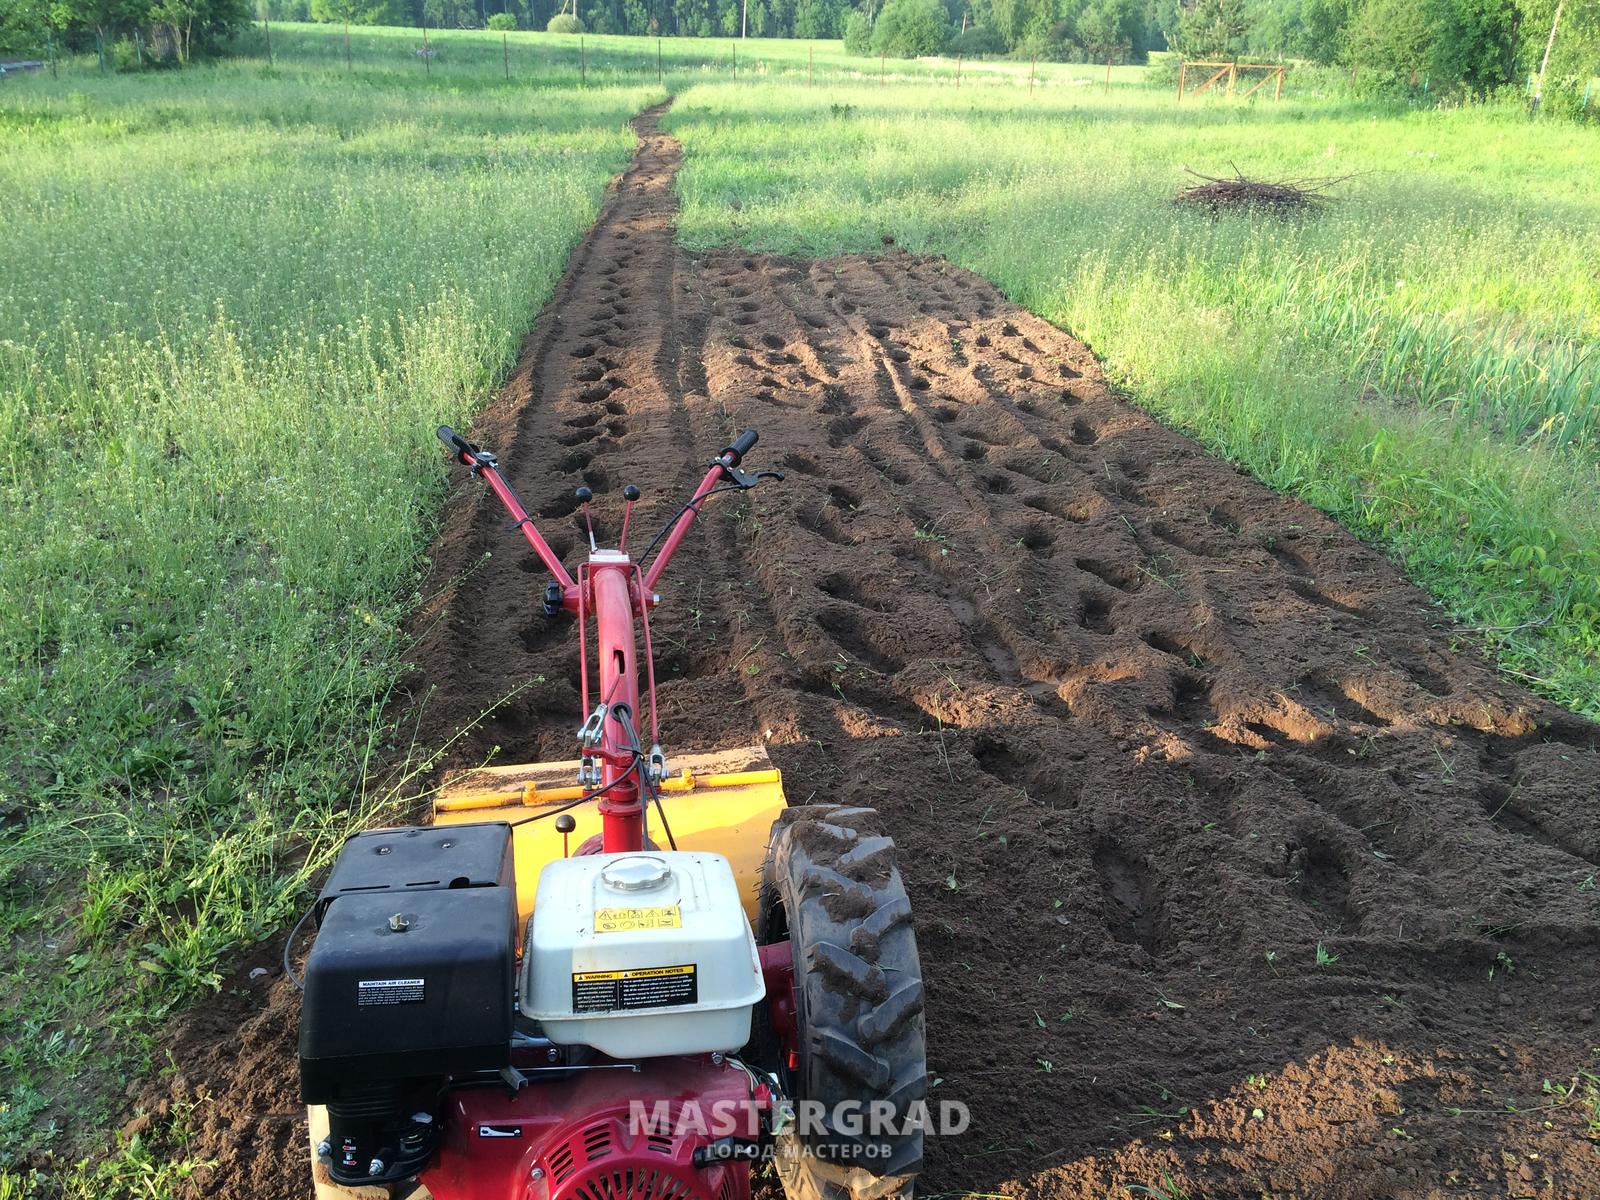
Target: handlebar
{"points": [[455, 442], [724, 468], [741, 446], [487, 467]]}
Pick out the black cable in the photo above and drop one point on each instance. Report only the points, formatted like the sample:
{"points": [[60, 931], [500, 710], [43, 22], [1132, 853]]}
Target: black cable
{"points": [[692, 506], [653, 792], [581, 800], [289, 945]]}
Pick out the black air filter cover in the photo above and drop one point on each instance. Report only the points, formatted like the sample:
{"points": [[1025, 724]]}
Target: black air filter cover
{"points": [[413, 971], [408, 986], [421, 859]]}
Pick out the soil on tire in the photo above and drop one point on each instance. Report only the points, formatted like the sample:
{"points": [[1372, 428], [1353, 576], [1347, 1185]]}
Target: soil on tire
{"points": [[1236, 871]]}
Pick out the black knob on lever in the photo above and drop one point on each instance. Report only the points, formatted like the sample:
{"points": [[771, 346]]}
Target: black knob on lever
{"points": [[584, 495], [630, 493]]}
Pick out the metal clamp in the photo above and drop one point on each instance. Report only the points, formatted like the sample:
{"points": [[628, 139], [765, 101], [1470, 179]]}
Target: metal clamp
{"points": [[656, 765], [589, 733], [589, 771]]}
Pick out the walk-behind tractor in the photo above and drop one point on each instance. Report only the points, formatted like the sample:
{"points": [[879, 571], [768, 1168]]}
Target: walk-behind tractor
{"points": [[615, 978]]}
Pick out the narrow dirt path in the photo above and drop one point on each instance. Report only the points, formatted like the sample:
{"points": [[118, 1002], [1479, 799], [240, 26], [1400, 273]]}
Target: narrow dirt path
{"points": [[1226, 863]]}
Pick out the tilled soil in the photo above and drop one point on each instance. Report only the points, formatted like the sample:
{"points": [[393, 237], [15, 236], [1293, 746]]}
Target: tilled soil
{"points": [[1237, 872]]}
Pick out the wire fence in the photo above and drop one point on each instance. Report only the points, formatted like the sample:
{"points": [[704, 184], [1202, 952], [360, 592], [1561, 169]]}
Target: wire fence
{"points": [[583, 60], [546, 59]]}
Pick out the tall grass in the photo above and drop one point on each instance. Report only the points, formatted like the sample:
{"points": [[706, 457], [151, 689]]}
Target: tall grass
{"points": [[233, 306], [1419, 360]]}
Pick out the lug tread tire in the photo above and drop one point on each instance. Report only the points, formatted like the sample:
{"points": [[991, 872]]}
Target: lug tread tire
{"points": [[831, 885]]}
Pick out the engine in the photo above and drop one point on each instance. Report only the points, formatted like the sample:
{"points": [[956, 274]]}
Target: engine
{"points": [[599, 1072]]}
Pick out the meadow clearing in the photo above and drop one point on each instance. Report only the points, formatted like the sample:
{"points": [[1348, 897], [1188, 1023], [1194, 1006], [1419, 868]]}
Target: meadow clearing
{"points": [[236, 299]]}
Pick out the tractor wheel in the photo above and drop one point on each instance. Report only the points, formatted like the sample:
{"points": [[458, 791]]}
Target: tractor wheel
{"points": [[830, 885]]}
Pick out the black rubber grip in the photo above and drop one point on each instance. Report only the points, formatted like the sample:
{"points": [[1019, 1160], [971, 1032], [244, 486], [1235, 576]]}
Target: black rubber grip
{"points": [[454, 441], [742, 445]]}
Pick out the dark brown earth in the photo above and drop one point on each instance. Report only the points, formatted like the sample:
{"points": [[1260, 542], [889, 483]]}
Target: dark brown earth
{"points": [[1148, 735]]}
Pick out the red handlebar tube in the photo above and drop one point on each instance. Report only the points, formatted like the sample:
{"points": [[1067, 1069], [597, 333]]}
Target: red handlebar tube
{"points": [[681, 529], [491, 475], [621, 800], [616, 590]]}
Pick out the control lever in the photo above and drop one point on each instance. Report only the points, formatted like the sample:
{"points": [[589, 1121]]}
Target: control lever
{"points": [[745, 479]]}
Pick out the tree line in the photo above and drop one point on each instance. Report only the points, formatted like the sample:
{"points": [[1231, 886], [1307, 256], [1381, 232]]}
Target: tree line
{"points": [[1437, 47]]}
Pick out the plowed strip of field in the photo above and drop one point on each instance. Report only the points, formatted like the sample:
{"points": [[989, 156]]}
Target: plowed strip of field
{"points": [[1227, 865]]}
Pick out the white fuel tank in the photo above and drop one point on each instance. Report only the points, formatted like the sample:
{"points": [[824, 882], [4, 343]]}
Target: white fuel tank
{"points": [[641, 955]]}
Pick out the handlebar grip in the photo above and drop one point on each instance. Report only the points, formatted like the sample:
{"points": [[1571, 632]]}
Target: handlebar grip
{"points": [[453, 441], [742, 445]]}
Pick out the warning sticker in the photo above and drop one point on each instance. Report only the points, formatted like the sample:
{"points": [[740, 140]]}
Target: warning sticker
{"points": [[628, 920], [643, 987], [389, 991]]}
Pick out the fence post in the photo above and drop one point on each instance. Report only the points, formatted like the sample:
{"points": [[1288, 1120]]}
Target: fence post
{"points": [[882, 59], [811, 55], [1108, 75], [138, 47], [1032, 63], [658, 62], [736, 61], [100, 49], [958, 72], [583, 64], [1183, 71], [1233, 77], [266, 21], [347, 47], [50, 42], [1277, 88], [505, 53], [427, 50]]}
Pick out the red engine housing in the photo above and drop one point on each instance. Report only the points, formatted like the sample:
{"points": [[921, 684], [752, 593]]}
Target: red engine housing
{"points": [[602, 1132]]}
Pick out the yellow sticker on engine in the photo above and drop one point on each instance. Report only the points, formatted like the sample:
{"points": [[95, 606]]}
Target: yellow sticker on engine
{"points": [[631, 920]]}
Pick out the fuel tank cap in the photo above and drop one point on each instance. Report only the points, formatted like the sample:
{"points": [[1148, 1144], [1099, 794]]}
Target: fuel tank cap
{"points": [[636, 873]]}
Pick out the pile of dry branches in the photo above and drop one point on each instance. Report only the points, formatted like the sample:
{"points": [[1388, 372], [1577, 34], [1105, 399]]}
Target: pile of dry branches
{"points": [[1218, 195]]}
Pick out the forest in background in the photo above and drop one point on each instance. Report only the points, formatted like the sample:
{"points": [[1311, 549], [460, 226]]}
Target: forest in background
{"points": [[1436, 48]]}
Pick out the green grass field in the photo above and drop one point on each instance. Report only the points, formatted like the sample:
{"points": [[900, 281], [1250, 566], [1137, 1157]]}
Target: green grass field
{"points": [[235, 300], [234, 305]]}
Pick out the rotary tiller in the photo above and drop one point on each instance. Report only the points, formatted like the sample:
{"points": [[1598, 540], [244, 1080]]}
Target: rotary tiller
{"points": [[608, 978]]}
